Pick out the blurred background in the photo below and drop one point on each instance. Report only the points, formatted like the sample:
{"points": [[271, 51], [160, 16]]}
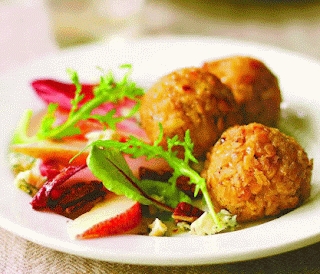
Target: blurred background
{"points": [[35, 27], [291, 24]]}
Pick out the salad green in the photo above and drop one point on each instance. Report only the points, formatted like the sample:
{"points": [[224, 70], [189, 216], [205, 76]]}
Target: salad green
{"points": [[105, 159], [111, 168], [107, 91], [137, 148]]}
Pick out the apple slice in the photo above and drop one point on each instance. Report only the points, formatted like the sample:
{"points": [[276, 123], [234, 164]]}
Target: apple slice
{"points": [[115, 215], [60, 151]]}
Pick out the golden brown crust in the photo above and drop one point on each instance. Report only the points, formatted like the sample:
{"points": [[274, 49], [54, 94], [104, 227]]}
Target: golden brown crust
{"points": [[256, 171], [189, 98], [253, 85]]}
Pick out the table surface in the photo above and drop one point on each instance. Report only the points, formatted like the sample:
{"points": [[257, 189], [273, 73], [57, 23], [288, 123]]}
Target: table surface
{"points": [[291, 25]]}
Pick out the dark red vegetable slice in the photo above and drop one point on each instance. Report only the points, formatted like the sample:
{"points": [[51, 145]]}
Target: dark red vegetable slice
{"points": [[52, 91], [43, 195], [71, 201]]}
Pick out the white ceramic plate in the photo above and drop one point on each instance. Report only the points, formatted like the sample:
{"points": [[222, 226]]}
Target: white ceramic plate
{"points": [[151, 58]]}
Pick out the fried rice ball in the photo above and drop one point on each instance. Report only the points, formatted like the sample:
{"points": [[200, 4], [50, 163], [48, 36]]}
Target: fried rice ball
{"points": [[255, 171], [253, 85], [189, 98]]}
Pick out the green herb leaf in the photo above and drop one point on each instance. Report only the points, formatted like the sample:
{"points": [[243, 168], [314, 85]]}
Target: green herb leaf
{"points": [[107, 91], [20, 135], [137, 148], [109, 166], [78, 96], [171, 196], [111, 121]]}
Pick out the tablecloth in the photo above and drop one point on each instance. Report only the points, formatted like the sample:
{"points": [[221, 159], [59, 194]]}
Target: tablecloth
{"points": [[20, 256], [291, 25]]}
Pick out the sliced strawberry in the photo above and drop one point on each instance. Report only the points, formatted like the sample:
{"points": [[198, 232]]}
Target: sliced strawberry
{"points": [[115, 215]]}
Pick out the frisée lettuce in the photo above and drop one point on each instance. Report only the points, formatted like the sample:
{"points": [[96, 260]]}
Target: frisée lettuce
{"points": [[107, 91], [137, 148]]}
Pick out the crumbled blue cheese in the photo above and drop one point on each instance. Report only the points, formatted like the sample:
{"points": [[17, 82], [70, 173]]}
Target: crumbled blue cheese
{"points": [[107, 134], [158, 228], [20, 162], [30, 180], [205, 224], [183, 226]]}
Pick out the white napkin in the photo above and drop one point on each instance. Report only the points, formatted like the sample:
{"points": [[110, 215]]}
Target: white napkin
{"points": [[25, 32]]}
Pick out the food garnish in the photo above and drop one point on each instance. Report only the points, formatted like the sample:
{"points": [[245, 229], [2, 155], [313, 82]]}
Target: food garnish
{"points": [[137, 148], [107, 91], [61, 93], [109, 166]]}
